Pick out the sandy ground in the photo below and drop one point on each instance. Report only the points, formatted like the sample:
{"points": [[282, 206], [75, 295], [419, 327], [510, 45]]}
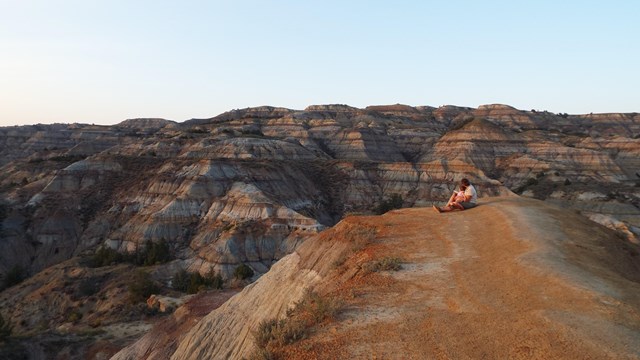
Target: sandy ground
{"points": [[511, 279]]}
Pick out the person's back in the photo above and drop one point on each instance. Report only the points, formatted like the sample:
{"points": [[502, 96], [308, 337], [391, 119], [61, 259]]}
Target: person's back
{"points": [[466, 198], [471, 192]]}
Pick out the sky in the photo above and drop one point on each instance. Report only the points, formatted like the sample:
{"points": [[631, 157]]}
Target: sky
{"points": [[106, 61]]}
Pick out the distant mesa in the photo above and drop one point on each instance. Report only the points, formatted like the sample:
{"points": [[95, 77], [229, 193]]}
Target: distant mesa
{"points": [[496, 107], [145, 123], [331, 107], [258, 111], [397, 108]]}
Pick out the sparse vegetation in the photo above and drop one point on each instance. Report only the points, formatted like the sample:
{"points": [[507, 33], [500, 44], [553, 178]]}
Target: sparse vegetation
{"points": [[279, 332], [531, 182], [340, 260], [317, 307], [151, 254], [360, 236], [242, 272], [460, 121], [105, 256], [141, 287], [395, 202], [5, 328], [59, 158], [192, 283], [14, 276], [4, 212], [198, 131], [273, 334], [156, 253], [74, 317], [88, 287], [251, 131], [384, 264]]}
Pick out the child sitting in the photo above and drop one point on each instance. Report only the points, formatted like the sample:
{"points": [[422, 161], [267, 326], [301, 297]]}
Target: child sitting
{"points": [[458, 197]]}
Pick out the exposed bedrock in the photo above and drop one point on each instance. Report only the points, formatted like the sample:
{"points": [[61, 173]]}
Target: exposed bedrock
{"points": [[250, 185]]}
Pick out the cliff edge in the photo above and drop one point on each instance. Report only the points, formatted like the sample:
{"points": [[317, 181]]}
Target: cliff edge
{"points": [[512, 278]]}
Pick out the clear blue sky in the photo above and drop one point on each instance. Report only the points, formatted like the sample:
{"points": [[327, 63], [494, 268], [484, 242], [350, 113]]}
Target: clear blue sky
{"points": [[104, 61]]}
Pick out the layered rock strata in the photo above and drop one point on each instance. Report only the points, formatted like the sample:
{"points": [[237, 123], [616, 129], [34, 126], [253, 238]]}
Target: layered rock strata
{"points": [[249, 185]]}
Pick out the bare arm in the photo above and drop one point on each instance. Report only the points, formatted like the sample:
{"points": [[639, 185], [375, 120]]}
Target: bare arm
{"points": [[452, 198]]}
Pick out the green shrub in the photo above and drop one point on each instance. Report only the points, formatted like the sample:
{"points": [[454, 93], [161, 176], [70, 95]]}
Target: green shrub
{"points": [[105, 256], [141, 287], [279, 332], [67, 158], [194, 282], [180, 280], [384, 264], [5, 328], [14, 276], [88, 287], [459, 122], [266, 331], [263, 354], [152, 254], [395, 202], [272, 334], [242, 272], [317, 307], [157, 253], [74, 317], [360, 236], [4, 211]]}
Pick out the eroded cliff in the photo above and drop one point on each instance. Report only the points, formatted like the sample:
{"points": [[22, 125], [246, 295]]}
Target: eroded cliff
{"points": [[512, 278], [249, 186]]}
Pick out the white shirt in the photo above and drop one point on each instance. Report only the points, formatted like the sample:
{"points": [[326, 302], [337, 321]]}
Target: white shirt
{"points": [[471, 191]]}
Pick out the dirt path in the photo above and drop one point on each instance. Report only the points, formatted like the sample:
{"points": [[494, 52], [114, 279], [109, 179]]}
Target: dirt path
{"points": [[511, 279]]}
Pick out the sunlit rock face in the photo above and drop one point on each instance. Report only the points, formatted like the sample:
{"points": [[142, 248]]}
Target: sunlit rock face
{"points": [[250, 185]]}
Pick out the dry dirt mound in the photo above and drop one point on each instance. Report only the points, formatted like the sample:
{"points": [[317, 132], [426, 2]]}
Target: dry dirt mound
{"points": [[512, 278]]}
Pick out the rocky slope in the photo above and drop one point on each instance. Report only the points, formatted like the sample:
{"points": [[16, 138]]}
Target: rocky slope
{"points": [[513, 278], [249, 186]]}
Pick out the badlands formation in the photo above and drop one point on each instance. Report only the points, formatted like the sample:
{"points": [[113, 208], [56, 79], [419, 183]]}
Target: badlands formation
{"points": [[264, 187], [512, 279]]}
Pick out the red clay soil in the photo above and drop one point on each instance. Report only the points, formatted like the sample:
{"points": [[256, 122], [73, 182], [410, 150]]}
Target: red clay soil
{"points": [[511, 279]]}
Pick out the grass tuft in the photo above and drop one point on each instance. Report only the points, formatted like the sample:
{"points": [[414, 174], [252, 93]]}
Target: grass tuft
{"points": [[384, 264], [273, 334]]}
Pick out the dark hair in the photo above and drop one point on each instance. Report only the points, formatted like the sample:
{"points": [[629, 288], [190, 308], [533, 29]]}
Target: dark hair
{"points": [[465, 182]]}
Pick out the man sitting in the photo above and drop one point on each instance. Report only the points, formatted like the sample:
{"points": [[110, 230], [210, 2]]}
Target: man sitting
{"points": [[470, 199]]}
